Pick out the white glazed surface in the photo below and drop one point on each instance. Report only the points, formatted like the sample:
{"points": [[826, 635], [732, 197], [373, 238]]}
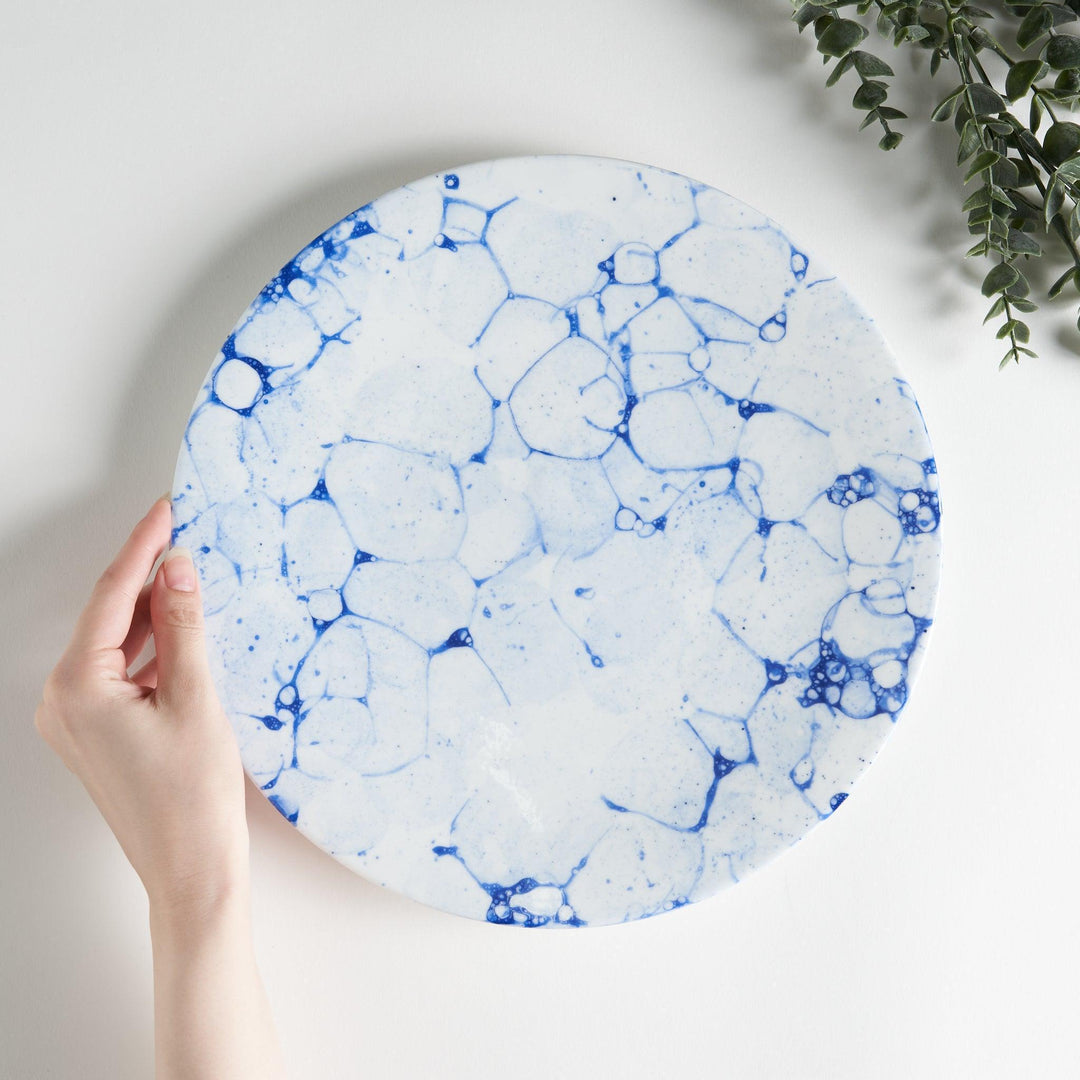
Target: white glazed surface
{"points": [[569, 540]]}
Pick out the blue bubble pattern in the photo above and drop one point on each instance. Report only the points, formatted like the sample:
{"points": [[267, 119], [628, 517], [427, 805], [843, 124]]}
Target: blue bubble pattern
{"points": [[568, 539]]}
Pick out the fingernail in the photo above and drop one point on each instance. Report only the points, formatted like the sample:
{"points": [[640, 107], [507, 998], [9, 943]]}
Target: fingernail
{"points": [[166, 495], [179, 569]]}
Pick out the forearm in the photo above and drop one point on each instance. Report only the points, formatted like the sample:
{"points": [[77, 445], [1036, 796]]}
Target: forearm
{"points": [[157, 754], [211, 1016]]}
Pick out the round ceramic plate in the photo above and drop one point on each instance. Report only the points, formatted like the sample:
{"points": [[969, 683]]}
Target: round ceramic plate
{"points": [[568, 540]]}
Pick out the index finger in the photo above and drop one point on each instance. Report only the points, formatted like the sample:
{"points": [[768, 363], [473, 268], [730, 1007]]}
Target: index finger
{"points": [[106, 619]]}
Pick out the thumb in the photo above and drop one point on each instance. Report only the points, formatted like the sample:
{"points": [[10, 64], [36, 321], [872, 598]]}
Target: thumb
{"points": [[177, 619]]}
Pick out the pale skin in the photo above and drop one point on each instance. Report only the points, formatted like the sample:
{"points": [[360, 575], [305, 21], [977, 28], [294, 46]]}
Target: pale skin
{"points": [[155, 751]]}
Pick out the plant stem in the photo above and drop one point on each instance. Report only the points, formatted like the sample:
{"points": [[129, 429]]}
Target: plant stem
{"points": [[962, 55]]}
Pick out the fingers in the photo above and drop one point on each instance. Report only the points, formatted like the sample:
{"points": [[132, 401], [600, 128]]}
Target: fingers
{"points": [[139, 633], [177, 620], [107, 618], [146, 676]]}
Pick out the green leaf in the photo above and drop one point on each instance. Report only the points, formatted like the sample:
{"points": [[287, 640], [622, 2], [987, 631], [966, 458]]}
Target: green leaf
{"points": [[1055, 199], [1061, 282], [1002, 204], [1020, 287], [1024, 140], [1015, 329], [945, 107], [1025, 174], [986, 100], [869, 95], [969, 142], [838, 70], [1063, 52], [1025, 306], [982, 197], [1021, 76], [1067, 84], [891, 140], [1027, 217], [1069, 169], [911, 33], [982, 162], [1023, 244], [1037, 21], [808, 13], [1035, 115], [1001, 277], [936, 36], [840, 37], [1006, 175], [1061, 141], [890, 113], [996, 308], [868, 65], [1014, 354]]}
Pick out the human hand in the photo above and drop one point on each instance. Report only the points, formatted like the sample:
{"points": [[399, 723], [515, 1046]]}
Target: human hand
{"points": [[154, 749]]}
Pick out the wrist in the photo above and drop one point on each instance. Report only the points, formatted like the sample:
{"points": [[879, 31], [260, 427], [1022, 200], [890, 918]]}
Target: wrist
{"points": [[200, 904]]}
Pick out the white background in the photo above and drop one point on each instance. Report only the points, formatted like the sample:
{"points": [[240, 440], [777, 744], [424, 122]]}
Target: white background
{"points": [[160, 162]]}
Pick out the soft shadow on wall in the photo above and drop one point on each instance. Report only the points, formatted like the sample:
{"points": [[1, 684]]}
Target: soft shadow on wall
{"points": [[63, 944]]}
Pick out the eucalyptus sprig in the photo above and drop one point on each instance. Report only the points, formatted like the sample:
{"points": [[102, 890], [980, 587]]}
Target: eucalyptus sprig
{"points": [[1026, 185]]}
